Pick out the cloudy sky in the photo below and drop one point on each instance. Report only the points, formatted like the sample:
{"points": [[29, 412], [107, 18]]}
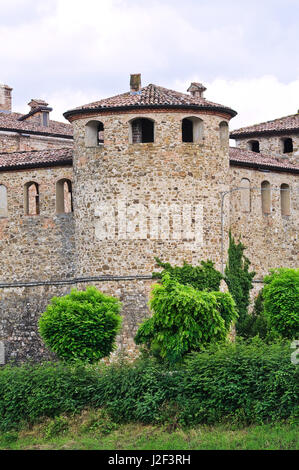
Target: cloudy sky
{"points": [[72, 52]]}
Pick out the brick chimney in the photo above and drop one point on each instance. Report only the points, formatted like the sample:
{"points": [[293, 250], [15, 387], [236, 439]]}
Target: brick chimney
{"points": [[5, 98], [135, 83], [39, 112], [34, 104], [196, 90]]}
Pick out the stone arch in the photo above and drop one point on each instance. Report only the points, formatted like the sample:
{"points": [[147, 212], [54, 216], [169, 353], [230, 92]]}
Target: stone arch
{"points": [[94, 133], [3, 201], [266, 197], [31, 198], [64, 196], [223, 133], [245, 195], [142, 130], [285, 202], [192, 129]]}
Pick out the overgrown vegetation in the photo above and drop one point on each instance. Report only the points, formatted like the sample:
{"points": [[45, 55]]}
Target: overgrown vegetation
{"points": [[281, 301], [82, 325], [203, 277], [94, 430], [184, 319], [239, 279], [238, 383]]}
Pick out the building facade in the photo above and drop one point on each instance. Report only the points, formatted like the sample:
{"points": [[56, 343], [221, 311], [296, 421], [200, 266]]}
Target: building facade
{"points": [[150, 174]]}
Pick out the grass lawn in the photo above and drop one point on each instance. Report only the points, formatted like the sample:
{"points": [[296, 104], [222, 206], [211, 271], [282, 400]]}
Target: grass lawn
{"points": [[93, 430]]}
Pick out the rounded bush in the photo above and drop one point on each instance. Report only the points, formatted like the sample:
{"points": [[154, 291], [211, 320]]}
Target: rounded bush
{"points": [[81, 325], [281, 301]]}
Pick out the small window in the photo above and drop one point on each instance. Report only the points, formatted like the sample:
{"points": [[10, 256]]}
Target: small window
{"points": [[192, 129], [254, 146], [64, 197], [142, 131], [223, 133], [3, 201], [245, 195], [285, 199], [31, 202], [266, 197], [287, 145], [94, 134], [45, 119]]}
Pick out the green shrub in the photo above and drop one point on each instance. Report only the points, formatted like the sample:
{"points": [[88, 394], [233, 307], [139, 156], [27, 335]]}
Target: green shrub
{"points": [[281, 301], [184, 320], [249, 382], [204, 277], [242, 382], [256, 324], [82, 325], [238, 278]]}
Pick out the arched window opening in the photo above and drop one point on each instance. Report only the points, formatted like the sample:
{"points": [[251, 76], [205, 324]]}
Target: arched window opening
{"points": [[94, 134], [3, 201], [287, 145], [223, 133], [192, 129], [64, 197], [142, 131], [245, 195], [266, 197], [285, 203], [254, 146], [31, 202]]}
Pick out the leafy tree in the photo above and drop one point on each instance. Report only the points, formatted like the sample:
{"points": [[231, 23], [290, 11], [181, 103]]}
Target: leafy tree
{"points": [[82, 325], [281, 301], [238, 278], [256, 324], [184, 320], [200, 277]]}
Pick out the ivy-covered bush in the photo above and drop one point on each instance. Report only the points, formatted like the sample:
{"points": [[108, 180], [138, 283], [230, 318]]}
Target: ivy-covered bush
{"points": [[81, 325], [239, 279], [281, 301], [203, 277], [184, 320], [256, 323]]}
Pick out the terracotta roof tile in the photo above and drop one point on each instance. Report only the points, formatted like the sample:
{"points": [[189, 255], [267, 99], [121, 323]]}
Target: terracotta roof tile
{"points": [[151, 96], [248, 158], [287, 124], [54, 157], [10, 121], [35, 159]]}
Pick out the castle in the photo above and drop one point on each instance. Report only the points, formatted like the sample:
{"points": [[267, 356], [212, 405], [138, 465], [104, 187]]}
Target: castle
{"points": [[142, 174]]}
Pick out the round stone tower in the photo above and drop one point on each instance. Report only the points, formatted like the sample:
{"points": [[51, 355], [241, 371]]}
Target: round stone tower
{"points": [[149, 167]]}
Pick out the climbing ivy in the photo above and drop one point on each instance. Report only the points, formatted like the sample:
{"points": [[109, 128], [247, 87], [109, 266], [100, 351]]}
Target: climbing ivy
{"points": [[238, 278]]}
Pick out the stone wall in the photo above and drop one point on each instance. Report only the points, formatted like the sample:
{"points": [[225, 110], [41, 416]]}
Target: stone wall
{"points": [[271, 239], [39, 247], [273, 145], [21, 308], [166, 172], [15, 142]]}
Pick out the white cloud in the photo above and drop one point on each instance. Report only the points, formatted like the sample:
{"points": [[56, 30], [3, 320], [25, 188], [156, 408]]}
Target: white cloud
{"points": [[256, 100]]}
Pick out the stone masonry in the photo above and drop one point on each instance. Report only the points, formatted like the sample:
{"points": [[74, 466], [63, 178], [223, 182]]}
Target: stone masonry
{"points": [[131, 202]]}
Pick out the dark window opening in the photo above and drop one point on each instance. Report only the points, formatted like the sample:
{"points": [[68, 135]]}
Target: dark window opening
{"points": [[255, 146], [287, 145], [142, 131], [187, 130], [100, 133]]}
